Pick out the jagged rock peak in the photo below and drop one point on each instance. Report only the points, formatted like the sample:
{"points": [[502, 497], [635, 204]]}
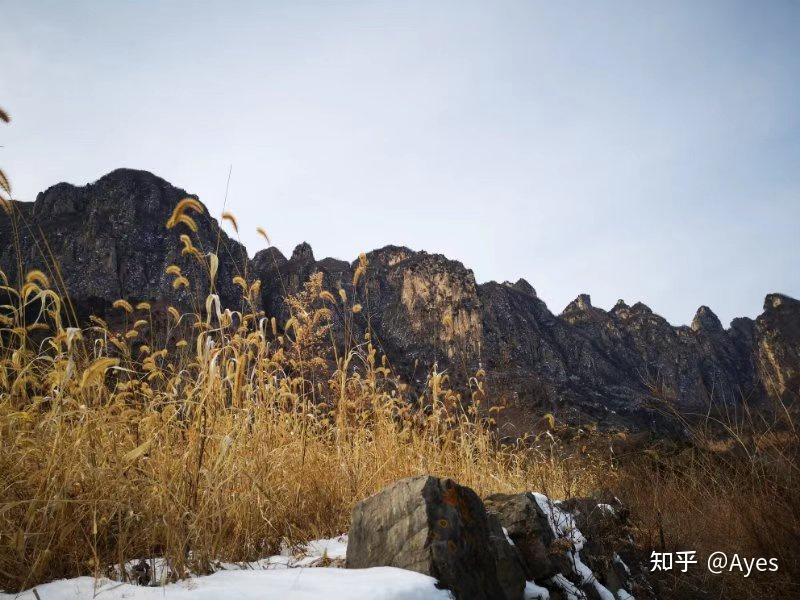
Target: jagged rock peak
{"points": [[125, 174], [109, 239], [523, 286], [390, 255], [582, 303], [778, 301], [268, 258], [121, 186], [620, 310], [706, 320], [303, 252]]}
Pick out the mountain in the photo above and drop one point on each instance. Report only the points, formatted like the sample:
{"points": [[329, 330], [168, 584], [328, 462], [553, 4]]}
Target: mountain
{"points": [[618, 368], [109, 241]]}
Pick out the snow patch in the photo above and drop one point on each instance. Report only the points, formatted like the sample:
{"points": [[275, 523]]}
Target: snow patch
{"points": [[508, 537], [379, 583], [607, 508], [587, 577], [535, 592], [562, 524]]}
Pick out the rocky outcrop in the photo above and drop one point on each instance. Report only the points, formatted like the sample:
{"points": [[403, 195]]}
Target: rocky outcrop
{"points": [[514, 546], [778, 346], [108, 240], [438, 528], [528, 529], [624, 367]]}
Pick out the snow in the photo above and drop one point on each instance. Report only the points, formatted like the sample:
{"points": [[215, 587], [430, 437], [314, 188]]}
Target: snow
{"points": [[296, 574], [535, 592], [309, 571], [508, 537], [607, 508], [317, 553], [563, 525], [332, 548], [379, 583], [587, 576]]}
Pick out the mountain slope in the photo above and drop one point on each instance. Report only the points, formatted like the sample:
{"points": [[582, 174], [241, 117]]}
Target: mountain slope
{"points": [[109, 240]]}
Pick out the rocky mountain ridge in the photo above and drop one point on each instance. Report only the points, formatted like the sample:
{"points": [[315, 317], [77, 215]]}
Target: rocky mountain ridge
{"points": [[615, 367]]}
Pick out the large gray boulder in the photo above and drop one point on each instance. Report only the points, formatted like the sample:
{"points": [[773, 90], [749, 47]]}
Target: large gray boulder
{"points": [[528, 528], [439, 528]]}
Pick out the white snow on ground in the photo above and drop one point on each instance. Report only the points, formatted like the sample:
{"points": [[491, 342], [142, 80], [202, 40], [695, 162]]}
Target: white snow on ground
{"points": [[380, 583], [588, 577], [317, 553], [561, 523], [303, 573], [297, 574], [331, 548]]}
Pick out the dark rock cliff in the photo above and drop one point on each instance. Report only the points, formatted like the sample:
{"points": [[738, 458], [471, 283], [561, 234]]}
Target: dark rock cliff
{"points": [[109, 241], [619, 367]]}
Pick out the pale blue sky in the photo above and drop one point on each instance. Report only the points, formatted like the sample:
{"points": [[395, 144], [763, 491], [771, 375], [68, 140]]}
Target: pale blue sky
{"points": [[636, 150]]}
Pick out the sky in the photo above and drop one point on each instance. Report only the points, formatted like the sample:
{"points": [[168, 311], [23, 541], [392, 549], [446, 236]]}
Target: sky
{"points": [[648, 151]]}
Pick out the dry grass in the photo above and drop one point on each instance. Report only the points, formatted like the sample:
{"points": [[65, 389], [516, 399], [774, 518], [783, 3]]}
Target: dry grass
{"points": [[219, 446], [734, 489]]}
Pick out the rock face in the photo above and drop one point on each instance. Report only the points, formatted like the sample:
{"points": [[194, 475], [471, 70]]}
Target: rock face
{"points": [[619, 368], [442, 529], [438, 528], [109, 241], [528, 528], [778, 339], [573, 548]]}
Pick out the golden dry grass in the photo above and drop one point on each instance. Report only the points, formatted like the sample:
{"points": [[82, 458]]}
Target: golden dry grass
{"points": [[219, 446], [738, 494]]}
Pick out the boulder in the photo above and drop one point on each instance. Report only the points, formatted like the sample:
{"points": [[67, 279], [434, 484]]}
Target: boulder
{"points": [[555, 550], [439, 528], [528, 529], [608, 544], [509, 564]]}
